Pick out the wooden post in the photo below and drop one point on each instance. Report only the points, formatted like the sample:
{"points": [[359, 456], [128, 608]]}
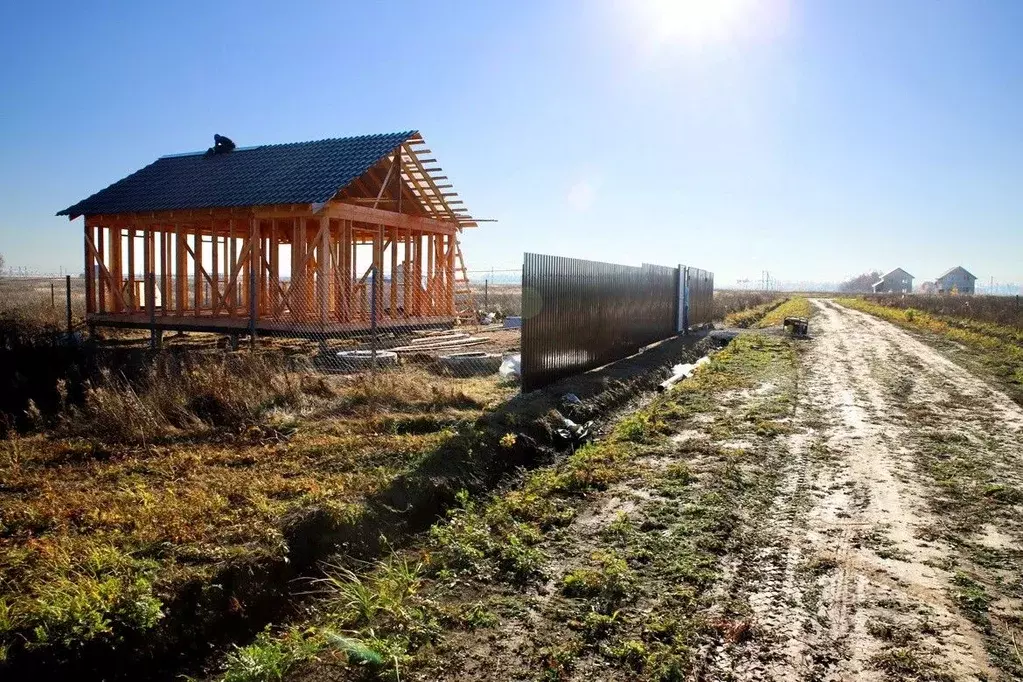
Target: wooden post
{"points": [[253, 289], [215, 253], [394, 273], [165, 290], [431, 251], [406, 275], [232, 266], [345, 250], [197, 257], [323, 272], [353, 275], [114, 267], [378, 268], [151, 308], [90, 271], [449, 275], [133, 304], [275, 263], [373, 315], [67, 287], [101, 235], [181, 270], [417, 274]]}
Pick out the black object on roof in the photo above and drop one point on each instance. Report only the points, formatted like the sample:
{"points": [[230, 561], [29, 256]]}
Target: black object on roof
{"points": [[296, 173]]}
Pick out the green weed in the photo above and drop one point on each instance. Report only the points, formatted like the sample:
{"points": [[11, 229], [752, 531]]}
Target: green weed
{"points": [[270, 657], [606, 586]]}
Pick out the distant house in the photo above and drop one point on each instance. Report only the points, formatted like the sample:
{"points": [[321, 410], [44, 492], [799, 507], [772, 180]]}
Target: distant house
{"points": [[898, 281], [956, 281]]}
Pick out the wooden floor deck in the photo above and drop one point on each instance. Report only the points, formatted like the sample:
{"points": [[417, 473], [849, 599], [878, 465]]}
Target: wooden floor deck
{"points": [[240, 325]]}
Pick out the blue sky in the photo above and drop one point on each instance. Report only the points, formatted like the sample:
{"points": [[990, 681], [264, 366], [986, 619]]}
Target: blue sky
{"points": [[814, 139]]}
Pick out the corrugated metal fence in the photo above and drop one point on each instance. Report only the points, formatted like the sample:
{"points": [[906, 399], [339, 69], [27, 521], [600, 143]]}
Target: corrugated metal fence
{"points": [[580, 314], [700, 295]]}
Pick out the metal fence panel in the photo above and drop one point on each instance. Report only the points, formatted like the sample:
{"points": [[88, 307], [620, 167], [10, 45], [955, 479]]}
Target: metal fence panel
{"points": [[701, 296], [586, 314]]}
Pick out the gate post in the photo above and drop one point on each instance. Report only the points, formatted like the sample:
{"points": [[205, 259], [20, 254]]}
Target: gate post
{"points": [[685, 301], [679, 293]]}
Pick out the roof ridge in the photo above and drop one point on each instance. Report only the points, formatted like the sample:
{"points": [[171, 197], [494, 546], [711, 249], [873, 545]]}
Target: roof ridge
{"points": [[369, 136]]}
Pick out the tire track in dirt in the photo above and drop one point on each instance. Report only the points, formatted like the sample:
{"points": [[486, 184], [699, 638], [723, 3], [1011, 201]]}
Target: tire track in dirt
{"points": [[842, 559]]}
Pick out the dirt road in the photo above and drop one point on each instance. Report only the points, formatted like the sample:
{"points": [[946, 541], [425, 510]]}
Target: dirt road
{"points": [[893, 548]]}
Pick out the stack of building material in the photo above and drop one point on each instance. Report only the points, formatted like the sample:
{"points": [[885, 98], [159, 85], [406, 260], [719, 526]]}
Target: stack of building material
{"points": [[434, 342]]}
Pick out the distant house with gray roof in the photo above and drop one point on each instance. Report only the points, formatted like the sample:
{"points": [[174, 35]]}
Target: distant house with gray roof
{"points": [[898, 281], [956, 281]]}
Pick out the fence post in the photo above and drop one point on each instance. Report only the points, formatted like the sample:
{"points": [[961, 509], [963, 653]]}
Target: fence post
{"points": [[486, 293], [685, 300], [70, 327], [53, 297], [679, 292], [373, 317]]}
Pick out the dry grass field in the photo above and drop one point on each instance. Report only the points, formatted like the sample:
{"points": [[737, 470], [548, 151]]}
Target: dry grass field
{"points": [[1001, 310], [114, 506]]}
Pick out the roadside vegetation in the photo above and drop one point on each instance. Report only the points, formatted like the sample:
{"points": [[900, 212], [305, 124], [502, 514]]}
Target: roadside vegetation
{"points": [[743, 308], [605, 560], [114, 505], [996, 349], [1006, 311], [797, 306]]}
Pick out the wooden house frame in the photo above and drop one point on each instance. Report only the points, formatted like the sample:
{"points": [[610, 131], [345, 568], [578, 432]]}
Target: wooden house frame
{"points": [[382, 252]]}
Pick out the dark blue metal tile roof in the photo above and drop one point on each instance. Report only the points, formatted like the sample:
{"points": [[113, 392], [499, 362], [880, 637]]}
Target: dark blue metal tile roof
{"points": [[296, 173]]}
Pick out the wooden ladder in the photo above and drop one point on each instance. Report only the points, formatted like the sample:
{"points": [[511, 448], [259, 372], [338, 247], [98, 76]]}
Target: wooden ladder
{"points": [[465, 303]]}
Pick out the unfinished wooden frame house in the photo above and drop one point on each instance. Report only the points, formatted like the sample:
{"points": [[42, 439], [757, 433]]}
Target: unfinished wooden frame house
{"points": [[307, 239]]}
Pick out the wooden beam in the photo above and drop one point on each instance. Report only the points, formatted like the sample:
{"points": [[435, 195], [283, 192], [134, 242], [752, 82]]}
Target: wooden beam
{"points": [[387, 178], [376, 216]]}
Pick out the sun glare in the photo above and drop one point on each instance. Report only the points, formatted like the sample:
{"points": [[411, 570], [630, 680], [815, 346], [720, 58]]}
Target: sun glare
{"points": [[695, 22]]}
